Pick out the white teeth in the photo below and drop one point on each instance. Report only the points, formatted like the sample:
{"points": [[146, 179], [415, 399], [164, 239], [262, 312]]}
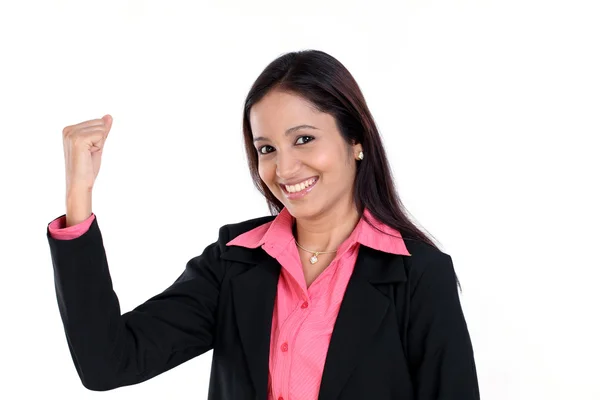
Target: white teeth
{"points": [[300, 186]]}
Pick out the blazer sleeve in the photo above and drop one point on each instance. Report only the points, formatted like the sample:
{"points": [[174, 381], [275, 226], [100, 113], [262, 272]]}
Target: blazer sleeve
{"points": [[111, 350], [440, 352]]}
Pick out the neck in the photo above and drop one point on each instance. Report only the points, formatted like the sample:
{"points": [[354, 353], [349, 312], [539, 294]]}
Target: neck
{"points": [[326, 231]]}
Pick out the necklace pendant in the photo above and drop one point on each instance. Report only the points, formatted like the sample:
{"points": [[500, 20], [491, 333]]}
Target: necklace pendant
{"points": [[313, 259]]}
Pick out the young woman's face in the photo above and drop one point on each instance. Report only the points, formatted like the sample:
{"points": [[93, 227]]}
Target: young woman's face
{"points": [[297, 144]]}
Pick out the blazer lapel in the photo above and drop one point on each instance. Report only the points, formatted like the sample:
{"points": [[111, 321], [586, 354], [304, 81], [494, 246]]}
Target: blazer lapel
{"points": [[361, 312], [253, 300]]}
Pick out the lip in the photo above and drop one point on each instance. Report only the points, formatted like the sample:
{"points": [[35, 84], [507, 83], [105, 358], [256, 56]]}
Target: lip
{"points": [[298, 181], [302, 193]]}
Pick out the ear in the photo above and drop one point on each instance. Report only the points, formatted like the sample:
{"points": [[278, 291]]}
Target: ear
{"points": [[356, 147]]}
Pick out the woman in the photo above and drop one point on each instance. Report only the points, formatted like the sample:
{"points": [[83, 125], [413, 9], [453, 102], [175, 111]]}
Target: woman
{"points": [[336, 295]]}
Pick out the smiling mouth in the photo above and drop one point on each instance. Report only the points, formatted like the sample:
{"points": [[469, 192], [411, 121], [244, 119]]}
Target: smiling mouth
{"points": [[299, 188]]}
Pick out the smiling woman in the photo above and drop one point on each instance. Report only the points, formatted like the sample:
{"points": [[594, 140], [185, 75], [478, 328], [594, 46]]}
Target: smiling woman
{"points": [[310, 94], [335, 295], [296, 143]]}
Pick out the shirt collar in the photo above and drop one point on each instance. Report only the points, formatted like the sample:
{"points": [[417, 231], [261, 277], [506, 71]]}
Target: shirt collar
{"points": [[278, 233]]}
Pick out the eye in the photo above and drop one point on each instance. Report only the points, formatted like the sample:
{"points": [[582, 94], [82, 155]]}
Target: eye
{"points": [[262, 153], [302, 137], [261, 148]]}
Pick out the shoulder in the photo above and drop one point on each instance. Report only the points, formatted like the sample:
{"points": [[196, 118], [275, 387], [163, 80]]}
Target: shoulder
{"points": [[231, 230], [207, 263], [427, 264]]}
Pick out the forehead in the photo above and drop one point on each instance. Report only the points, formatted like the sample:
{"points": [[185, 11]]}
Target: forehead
{"points": [[278, 111]]}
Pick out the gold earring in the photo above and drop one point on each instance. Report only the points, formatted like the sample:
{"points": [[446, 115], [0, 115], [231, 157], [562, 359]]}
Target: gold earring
{"points": [[361, 155]]}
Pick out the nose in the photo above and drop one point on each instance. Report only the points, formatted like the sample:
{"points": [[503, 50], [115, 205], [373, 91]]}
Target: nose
{"points": [[287, 165]]}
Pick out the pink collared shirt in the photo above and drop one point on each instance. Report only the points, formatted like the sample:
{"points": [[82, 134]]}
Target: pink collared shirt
{"points": [[303, 318]]}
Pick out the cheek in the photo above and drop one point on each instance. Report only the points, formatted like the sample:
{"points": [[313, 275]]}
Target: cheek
{"points": [[325, 162], [336, 168], [265, 172]]}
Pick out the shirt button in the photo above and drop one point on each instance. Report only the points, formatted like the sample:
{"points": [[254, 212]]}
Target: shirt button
{"points": [[305, 304], [284, 347], [280, 398]]}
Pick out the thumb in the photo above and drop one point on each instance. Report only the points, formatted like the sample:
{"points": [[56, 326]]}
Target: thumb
{"points": [[108, 122]]}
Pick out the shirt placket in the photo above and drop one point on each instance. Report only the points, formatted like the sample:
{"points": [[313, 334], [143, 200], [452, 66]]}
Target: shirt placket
{"points": [[286, 339]]}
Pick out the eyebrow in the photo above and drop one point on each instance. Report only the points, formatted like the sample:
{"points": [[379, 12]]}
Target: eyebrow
{"points": [[288, 131]]}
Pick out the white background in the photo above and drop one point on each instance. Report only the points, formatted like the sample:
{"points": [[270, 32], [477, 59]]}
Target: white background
{"points": [[489, 111]]}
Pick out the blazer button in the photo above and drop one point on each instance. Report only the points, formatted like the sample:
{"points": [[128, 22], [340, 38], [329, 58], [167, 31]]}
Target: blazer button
{"points": [[305, 304], [284, 347]]}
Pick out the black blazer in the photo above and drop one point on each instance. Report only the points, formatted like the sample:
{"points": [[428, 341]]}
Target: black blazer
{"points": [[400, 332]]}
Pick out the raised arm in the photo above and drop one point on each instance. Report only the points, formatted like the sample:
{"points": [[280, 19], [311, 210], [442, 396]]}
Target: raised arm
{"points": [[110, 350]]}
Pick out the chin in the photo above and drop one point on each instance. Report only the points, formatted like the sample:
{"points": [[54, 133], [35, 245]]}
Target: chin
{"points": [[303, 210]]}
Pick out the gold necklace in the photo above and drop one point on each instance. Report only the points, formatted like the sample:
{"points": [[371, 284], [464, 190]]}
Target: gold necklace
{"points": [[315, 254]]}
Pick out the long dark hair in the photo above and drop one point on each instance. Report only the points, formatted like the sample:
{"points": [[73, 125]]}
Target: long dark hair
{"points": [[325, 82]]}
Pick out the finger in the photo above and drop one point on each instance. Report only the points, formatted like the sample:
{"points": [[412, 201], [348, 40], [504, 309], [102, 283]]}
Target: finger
{"points": [[89, 134], [91, 122]]}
